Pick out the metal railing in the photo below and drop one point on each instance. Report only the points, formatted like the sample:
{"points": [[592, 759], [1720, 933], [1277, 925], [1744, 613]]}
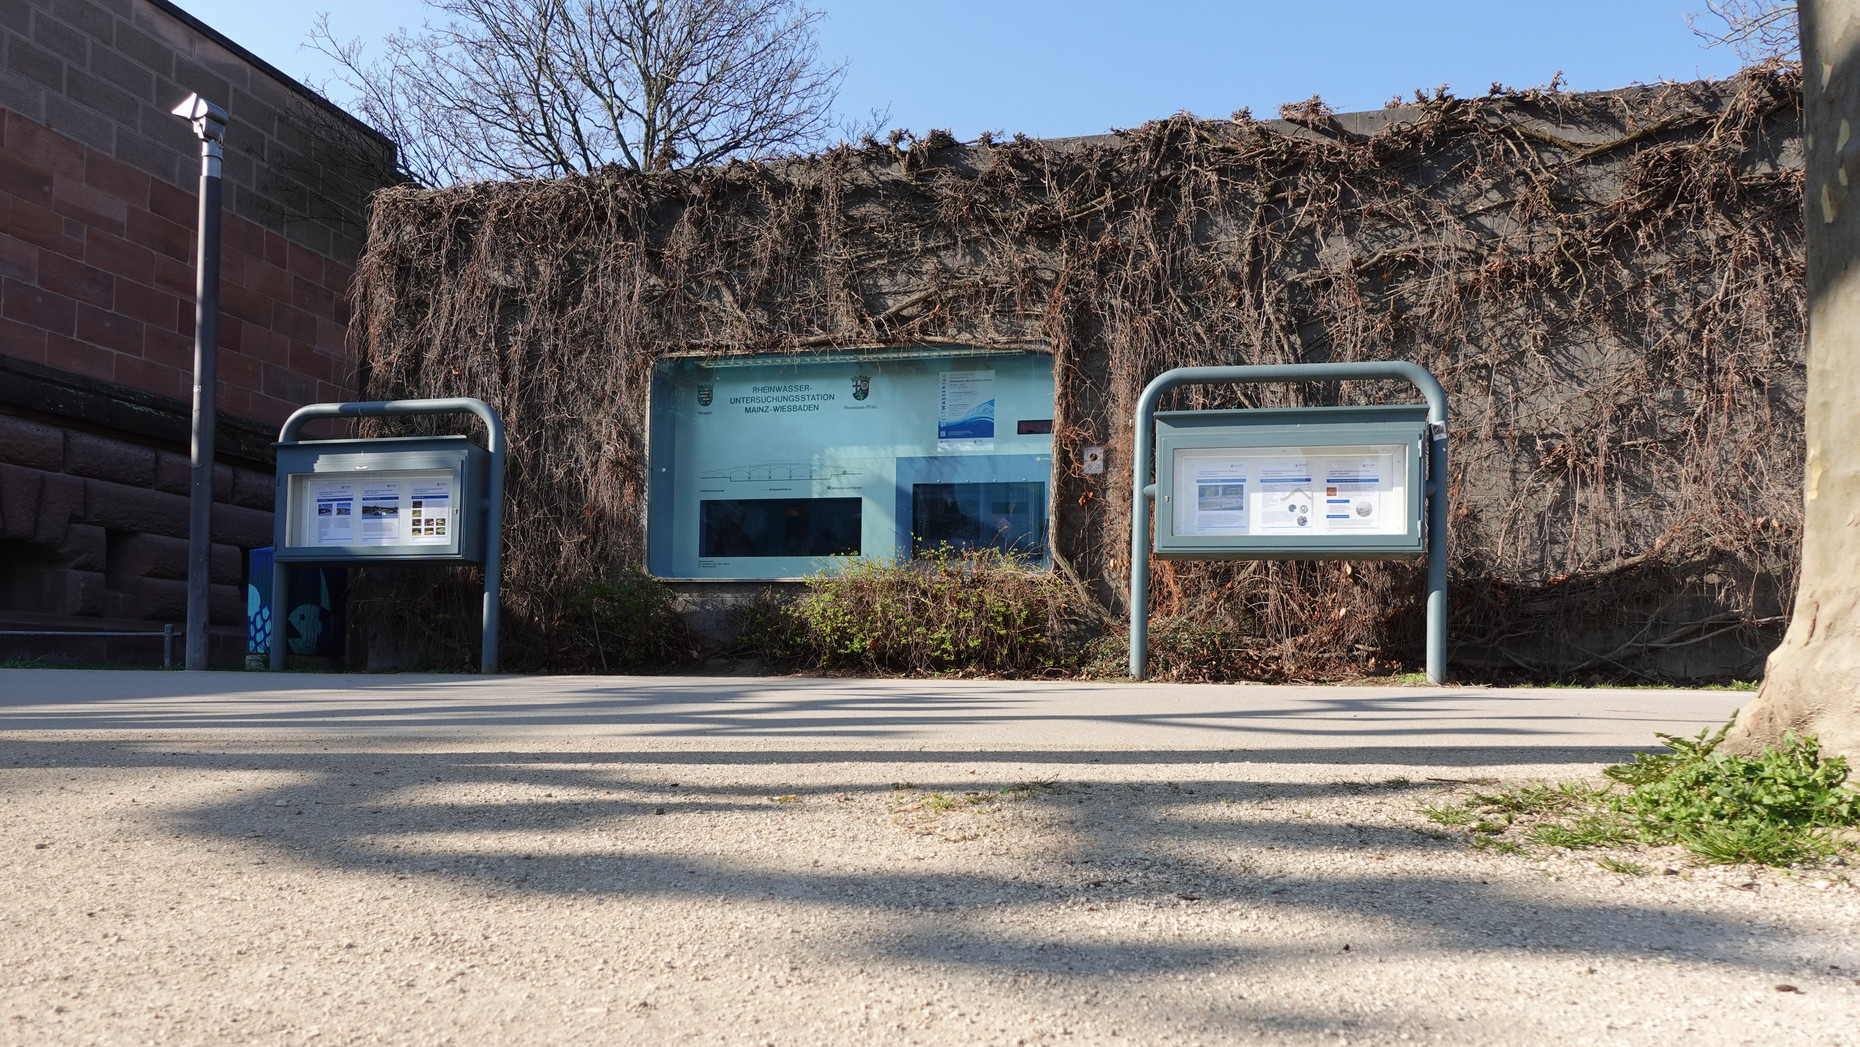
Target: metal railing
{"points": [[166, 634]]}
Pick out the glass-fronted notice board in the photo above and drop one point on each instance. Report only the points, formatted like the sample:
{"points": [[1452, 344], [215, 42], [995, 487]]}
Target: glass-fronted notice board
{"points": [[768, 467], [383, 498], [1290, 483], [405, 508], [1291, 490]]}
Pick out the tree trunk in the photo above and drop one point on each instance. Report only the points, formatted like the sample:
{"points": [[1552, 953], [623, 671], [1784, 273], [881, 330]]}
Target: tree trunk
{"points": [[1812, 685]]}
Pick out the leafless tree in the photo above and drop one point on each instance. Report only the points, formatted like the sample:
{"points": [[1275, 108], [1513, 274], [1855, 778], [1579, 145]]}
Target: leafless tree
{"points": [[515, 88], [1757, 30]]}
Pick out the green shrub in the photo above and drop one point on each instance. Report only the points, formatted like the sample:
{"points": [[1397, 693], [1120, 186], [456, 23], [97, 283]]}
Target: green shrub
{"points": [[963, 611], [626, 622], [768, 628]]}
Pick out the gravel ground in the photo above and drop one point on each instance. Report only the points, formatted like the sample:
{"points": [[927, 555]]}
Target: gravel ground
{"points": [[201, 888]]}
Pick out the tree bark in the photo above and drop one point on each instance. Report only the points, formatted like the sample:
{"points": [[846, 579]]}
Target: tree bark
{"points": [[1812, 685]]}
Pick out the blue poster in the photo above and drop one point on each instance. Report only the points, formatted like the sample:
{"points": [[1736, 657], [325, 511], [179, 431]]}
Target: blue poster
{"points": [[966, 406]]}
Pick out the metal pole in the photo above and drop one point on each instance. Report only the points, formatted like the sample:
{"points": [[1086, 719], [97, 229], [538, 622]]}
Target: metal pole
{"points": [[1437, 547], [1142, 494], [209, 122], [1143, 491], [167, 646], [279, 627], [493, 545], [494, 444]]}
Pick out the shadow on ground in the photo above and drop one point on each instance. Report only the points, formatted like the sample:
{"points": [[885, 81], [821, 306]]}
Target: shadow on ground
{"points": [[797, 709], [1163, 844]]}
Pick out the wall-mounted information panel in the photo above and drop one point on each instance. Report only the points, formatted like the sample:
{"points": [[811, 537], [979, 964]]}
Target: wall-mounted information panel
{"points": [[1310, 483], [771, 467], [409, 498]]}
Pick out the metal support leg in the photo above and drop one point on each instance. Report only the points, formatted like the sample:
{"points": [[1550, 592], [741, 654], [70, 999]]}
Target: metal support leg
{"points": [[1437, 553], [278, 625]]}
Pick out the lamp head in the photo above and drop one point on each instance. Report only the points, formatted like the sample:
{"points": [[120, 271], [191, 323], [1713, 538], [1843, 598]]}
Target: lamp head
{"points": [[209, 120]]}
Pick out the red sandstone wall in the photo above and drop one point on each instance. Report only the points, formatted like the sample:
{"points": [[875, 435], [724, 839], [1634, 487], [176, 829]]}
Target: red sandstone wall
{"points": [[97, 232], [97, 278], [96, 526]]}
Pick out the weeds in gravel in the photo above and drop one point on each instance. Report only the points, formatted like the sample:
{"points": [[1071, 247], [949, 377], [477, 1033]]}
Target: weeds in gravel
{"points": [[1621, 866], [1589, 831], [1774, 808], [1447, 815], [938, 803], [1783, 806], [1029, 789], [1539, 798]]}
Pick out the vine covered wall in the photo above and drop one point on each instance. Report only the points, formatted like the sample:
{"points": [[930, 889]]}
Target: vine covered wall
{"points": [[1609, 286]]}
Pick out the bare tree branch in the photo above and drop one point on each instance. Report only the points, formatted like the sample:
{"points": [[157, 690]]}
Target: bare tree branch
{"points": [[1756, 30], [523, 88]]}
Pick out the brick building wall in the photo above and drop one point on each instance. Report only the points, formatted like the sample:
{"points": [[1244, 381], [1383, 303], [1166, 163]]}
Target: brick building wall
{"points": [[97, 234]]}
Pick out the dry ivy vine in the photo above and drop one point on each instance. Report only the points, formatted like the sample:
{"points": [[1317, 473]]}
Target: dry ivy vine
{"points": [[1609, 286]]}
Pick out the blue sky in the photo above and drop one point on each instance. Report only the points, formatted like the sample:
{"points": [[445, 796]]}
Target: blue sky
{"points": [[1054, 69]]}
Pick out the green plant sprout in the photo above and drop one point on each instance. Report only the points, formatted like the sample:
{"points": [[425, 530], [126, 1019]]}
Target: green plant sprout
{"points": [[1782, 806]]}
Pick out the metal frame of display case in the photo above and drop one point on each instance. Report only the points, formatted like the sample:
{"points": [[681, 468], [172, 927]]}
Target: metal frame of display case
{"points": [[478, 476], [1313, 427]]}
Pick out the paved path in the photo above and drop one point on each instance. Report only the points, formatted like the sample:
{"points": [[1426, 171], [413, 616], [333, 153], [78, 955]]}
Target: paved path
{"points": [[1364, 723], [222, 858]]}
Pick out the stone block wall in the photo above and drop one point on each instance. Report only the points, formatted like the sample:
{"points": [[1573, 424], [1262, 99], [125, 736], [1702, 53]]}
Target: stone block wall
{"points": [[106, 73], [97, 278], [95, 526], [98, 213]]}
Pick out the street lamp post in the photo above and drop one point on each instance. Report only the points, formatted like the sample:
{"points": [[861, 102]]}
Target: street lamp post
{"points": [[209, 122]]}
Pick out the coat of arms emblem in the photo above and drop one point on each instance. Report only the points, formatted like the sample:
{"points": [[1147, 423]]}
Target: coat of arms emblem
{"points": [[862, 386], [704, 395]]}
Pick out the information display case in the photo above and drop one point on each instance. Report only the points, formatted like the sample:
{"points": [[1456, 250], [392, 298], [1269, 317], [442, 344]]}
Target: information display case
{"points": [[776, 467], [436, 499], [1328, 483], [1316, 483], [397, 498]]}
